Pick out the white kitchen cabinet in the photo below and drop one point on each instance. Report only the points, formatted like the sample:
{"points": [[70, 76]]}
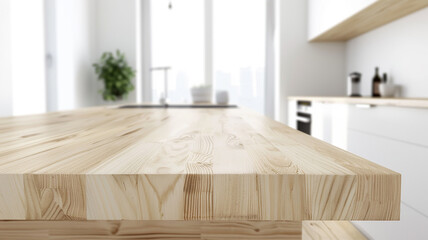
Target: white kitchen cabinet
{"points": [[329, 123], [321, 121], [394, 137], [412, 226], [403, 124], [408, 159], [292, 109], [325, 14], [338, 20]]}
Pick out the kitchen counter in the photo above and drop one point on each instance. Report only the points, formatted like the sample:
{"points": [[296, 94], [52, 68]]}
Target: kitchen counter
{"points": [[397, 102], [219, 164]]}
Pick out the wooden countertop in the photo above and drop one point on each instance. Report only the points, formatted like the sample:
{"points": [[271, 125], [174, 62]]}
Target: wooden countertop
{"points": [[182, 164], [396, 102]]}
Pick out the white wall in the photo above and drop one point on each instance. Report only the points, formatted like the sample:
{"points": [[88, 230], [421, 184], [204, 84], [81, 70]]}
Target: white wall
{"points": [[5, 60], [84, 41], [22, 78], [117, 29], [399, 48], [28, 55], [324, 14], [83, 30], [77, 33], [74, 40], [307, 68]]}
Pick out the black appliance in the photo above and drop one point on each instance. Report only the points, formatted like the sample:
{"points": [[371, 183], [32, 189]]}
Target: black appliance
{"points": [[303, 117]]}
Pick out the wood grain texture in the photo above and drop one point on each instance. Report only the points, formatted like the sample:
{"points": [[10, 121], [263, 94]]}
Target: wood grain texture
{"points": [[88, 230], [394, 102], [332, 230], [182, 164], [375, 15], [50, 230]]}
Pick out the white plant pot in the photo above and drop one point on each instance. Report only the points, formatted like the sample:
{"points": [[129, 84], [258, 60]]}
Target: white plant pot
{"points": [[201, 94]]}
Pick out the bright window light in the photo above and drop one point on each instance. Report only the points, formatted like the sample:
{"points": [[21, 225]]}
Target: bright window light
{"points": [[177, 42], [239, 50], [237, 34], [28, 54]]}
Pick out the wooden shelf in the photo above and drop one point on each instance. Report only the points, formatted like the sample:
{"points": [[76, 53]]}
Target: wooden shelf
{"points": [[393, 102], [377, 14]]}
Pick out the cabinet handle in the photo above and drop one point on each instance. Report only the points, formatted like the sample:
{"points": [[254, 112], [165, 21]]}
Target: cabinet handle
{"points": [[363, 105], [303, 119]]}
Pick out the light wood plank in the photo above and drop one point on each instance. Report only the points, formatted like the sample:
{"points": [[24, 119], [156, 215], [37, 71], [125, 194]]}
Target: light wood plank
{"points": [[331, 230], [182, 164], [377, 14], [35, 230], [309, 230]]}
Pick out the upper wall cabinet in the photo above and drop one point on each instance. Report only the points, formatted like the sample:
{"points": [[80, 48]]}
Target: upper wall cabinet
{"points": [[338, 20]]}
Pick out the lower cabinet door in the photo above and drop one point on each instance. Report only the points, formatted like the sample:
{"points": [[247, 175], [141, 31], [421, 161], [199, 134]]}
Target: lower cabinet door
{"points": [[405, 124], [292, 113], [408, 159], [412, 226], [330, 123]]}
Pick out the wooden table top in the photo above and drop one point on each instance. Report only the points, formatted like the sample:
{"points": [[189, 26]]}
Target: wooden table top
{"points": [[182, 164]]}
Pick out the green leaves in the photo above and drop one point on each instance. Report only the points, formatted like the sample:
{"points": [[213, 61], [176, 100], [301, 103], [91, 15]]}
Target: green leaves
{"points": [[116, 75]]}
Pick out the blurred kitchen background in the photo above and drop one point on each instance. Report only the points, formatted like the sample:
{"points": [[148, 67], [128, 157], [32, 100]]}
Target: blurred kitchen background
{"points": [[259, 51], [48, 48], [285, 59], [241, 46]]}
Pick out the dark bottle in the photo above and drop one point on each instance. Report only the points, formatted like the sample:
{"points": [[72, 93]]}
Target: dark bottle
{"points": [[385, 78], [376, 81]]}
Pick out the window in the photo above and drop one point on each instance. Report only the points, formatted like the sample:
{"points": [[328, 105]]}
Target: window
{"points": [[177, 42], [232, 59], [239, 50]]}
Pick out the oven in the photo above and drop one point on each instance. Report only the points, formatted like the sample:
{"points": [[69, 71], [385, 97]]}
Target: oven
{"points": [[304, 116]]}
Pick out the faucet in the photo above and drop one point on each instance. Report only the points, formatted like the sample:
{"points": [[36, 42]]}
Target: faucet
{"points": [[163, 100]]}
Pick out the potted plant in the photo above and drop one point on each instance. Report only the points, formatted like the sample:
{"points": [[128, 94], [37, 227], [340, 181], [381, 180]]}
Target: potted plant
{"points": [[116, 74]]}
